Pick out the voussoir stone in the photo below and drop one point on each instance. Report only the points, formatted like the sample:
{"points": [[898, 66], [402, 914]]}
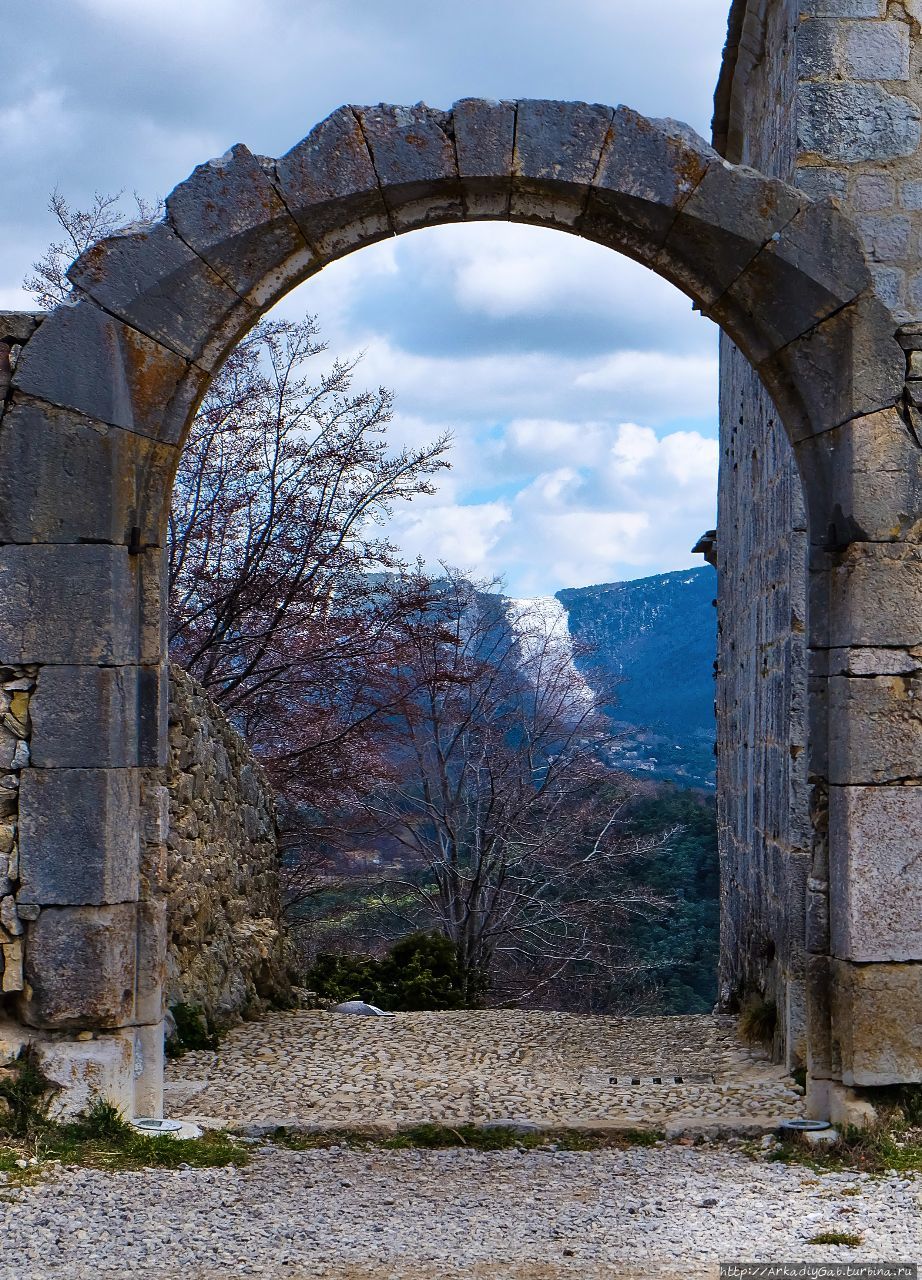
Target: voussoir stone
{"points": [[413, 152], [647, 170], [150, 278], [80, 967], [229, 212], [727, 220], [868, 474], [484, 134], [810, 267], [329, 184], [848, 366], [79, 836], [558, 146]]}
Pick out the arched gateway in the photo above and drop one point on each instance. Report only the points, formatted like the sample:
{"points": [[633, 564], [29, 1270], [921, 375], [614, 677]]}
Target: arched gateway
{"points": [[95, 417]]}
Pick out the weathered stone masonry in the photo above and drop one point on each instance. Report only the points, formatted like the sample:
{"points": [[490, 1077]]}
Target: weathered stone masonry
{"points": [[101, 398], [227, 953], [825, 94]]}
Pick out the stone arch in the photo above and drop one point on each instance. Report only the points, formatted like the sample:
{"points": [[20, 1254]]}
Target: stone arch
{"points": [[104, 391]]}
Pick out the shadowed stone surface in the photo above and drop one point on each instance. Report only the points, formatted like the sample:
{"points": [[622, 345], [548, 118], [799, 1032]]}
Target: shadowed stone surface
{"points": [[876, 879], [79, 836], [80, 967]]}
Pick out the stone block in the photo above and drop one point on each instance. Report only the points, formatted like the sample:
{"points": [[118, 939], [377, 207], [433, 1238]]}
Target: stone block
{"points": [[854, 122], [413, 153], [148, 277], [872, 662], [97, 717], [79, 840], [558, 146], [864, 480], [19, 326], [821, 1062], [876, 596], [914, 297], [724, 224], [843, 8], [819, 181], [153, 715], [82, 358], [151, 967], [877, 1022], [809, 268], [877, 51], [647, 172], [69, 604], [484, 133], [877, 729], [66, 478], [148, 1071], [816, 937], [86, 1070], [885, 236], [848, 366], [876, 872], [80, 967], [150, 571], [873, 191], [890, 287], [911, 195], [231, 215], [817, 49], [155, 804], [329, 184]]}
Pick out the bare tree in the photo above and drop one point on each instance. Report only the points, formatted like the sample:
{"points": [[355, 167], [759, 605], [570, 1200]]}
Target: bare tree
{"points": [[275, 546], [500, 806], [48, 283]]}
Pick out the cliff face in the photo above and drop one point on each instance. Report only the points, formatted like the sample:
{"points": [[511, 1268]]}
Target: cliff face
{"points": [[228, 954], [658, 637]]}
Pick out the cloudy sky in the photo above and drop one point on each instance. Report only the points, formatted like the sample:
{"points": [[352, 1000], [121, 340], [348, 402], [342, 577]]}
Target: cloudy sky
{"points": [[581, 390]]}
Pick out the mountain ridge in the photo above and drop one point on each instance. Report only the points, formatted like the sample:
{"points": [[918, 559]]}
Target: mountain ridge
{"points": [[658, 637]]}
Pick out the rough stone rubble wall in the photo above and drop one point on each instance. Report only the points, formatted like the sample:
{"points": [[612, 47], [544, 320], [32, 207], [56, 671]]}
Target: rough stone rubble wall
{"points": [[826, 94], [227, 951]]}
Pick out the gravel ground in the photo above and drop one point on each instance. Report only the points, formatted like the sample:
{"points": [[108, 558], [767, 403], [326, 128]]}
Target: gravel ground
{"points": [[337, 1070], [663, 1211]]}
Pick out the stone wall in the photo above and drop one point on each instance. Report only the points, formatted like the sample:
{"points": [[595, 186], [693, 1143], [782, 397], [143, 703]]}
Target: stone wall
{"points": [[227, 953], [825, 94], [763, 794], [763, 797]]}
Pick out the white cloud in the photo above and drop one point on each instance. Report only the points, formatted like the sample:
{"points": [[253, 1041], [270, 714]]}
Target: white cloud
{"points": [[635, 505], [460, 535], [579, 385]]}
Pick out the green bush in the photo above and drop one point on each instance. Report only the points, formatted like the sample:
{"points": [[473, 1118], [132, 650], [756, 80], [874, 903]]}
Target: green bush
{"points": [[193, 1031], [420, 972]]}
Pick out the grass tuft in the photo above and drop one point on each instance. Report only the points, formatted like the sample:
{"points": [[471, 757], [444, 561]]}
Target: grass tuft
{"points": [[758, 1021], [849, 1238]]}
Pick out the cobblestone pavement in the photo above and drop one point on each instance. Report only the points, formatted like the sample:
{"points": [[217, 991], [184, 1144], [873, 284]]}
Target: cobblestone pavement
{"points": [[347, 1214], [332, 1070]]}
